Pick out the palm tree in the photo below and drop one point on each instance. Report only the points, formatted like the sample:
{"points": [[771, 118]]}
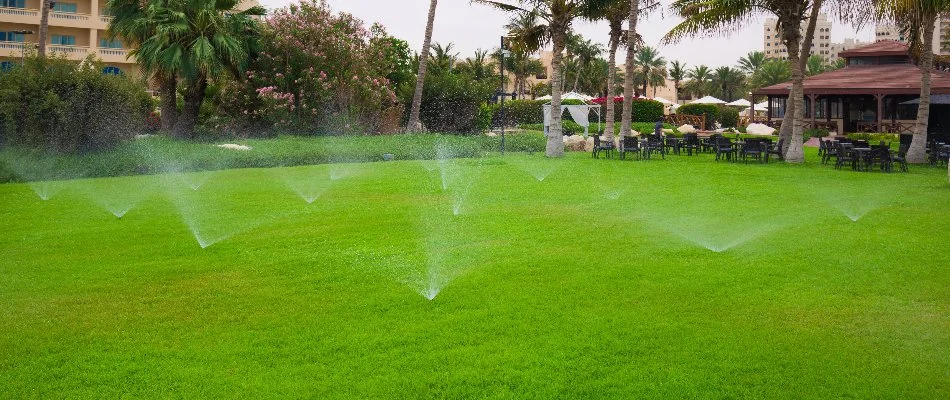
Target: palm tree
{"points": [[414, 124], [478, 66], [614, 14], [677, 74], [43, 34], [916, 19], [522, 66], [441, 59], [131, 23], [751, 63], [651, 69], [815, 65], [208, 38], [557, 17], [773, 72], [702, 16], [626, 112], [728, 80], [699, 79], [584, 52]]}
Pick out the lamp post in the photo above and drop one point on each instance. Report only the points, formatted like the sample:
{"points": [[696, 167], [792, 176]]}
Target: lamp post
{"points": [[502, 93]]}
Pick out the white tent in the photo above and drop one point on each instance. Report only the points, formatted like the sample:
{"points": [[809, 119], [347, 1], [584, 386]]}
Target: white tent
{"points": [[569, 96], [662, 100], [542, 98], [759, 108], [579, 113], [740, 103], [707, 100], [674, 106]]}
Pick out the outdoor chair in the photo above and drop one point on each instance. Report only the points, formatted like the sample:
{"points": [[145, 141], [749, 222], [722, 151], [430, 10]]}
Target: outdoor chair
{"points": [[724, 149], [630, 144], [775, 149], [654, 145], [672, 144], [882, 154], [600, 145], [822, 148], [691, 143], [901, 157], [942, 155], [753, 148], [831, 150], [846, 154]]}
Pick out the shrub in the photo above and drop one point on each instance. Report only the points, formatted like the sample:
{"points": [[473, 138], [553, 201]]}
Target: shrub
{"points": [[524, 112], [711, 112], [643, 110], [60, 105], [728, 117], [874, 137], [451, 103]]}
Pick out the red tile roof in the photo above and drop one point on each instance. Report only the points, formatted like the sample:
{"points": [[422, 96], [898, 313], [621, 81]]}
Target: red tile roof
{"points": [[877, 49], [867, 79]]}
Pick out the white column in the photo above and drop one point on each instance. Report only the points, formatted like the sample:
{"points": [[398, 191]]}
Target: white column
{"points": [[94, 10], [93, 40]]}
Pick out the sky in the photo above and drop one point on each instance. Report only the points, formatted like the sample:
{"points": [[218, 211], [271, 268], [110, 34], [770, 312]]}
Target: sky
{"points": [[474, 26]]}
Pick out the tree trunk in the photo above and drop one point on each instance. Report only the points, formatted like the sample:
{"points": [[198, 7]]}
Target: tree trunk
{"points": [[194, 96], [628, 79], [611, 76], [414, 124], [44, 29], [555, 146], [917, 152], [795, 151], [169, 102], [791, 37]]}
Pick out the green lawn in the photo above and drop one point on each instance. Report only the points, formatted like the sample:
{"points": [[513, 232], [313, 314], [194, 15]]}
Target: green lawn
{"points": [[571, 278]]}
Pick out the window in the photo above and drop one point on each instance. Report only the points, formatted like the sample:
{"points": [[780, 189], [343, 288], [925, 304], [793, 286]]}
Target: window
{"points": [[6, 66], [777, 106], [64, 7], [110, 44], [13, 3], [12, 37], [111, 71], [63, 40]]}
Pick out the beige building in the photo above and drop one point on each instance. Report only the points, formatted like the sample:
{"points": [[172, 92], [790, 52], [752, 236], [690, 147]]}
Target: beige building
{"points": [[941, 43], [774, 48], [546, 56], [846, 45], [77, 28]]}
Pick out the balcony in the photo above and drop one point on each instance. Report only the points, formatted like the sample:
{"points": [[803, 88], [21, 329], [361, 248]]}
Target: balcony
{"points": [[73, 52], [114, 55], [22, 12]]}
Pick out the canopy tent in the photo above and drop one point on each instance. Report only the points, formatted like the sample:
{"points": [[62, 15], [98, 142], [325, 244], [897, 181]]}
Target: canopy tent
{"points": [[759, 108], [707, 100], [579, 113], [934, 99], [602, 100], [546, 97], [569, 96], [740, 103]]}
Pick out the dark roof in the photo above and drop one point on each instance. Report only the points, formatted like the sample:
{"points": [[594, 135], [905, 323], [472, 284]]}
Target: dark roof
{"points": [[877, 49], [867, 79]]}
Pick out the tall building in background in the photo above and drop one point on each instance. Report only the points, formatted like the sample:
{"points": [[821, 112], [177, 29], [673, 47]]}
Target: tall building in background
{"points": [[941, 44], [774, 48], [77, 28], [846, 45]]}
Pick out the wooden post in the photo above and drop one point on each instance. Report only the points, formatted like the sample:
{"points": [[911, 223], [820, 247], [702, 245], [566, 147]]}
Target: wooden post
{"points": [[768, 114], [813, 97], [880, 110]]}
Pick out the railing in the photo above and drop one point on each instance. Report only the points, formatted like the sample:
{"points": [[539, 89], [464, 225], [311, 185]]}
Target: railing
{"points": [[831, 127], [105, 19], [113, 52], [69, 16], [68, 49], [697, 121], [12, 45], [885, 127], [19, 11]]}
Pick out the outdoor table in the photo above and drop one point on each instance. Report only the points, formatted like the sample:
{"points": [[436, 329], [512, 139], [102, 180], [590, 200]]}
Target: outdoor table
{"points": [[676, 143], [861, 155]]}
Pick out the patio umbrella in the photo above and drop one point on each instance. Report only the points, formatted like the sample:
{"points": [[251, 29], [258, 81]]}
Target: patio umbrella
{"points": [[740, 103], [707, 100], [547, 97], [662, 100], [934, 99]]}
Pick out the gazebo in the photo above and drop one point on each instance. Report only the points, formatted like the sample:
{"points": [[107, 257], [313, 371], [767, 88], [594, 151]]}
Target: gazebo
{"points": [[870, 94]]}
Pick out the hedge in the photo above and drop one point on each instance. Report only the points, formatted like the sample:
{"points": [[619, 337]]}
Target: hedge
{"points": [[711, 112]]}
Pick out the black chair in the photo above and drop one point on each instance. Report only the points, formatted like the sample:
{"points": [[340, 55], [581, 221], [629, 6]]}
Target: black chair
{"points": [[943, 155], [846, 154], [724, 149], [901, 157], [822, 148], [630, 144], [691, 143], [600, 145], [776, 149], [673, 144], [831, 150], [654, 145], [753, 148]]}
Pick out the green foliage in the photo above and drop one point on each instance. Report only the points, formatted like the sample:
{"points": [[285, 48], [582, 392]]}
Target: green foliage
{"points": [[875, 137], [486, 112], [810, 133], [524, 111], [711, 111], [773, 72], [59, 105], [451, 102], [646, 110], [728, 117]]}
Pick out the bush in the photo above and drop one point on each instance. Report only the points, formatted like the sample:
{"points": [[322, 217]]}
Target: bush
{"points": [[452, 103], [60, 105], [643, 110], [711, 112], [728, 117], [524, 112], [874, 137]]}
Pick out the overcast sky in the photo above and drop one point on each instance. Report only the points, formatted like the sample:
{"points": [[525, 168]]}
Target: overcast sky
{"points": [[474, 26]]}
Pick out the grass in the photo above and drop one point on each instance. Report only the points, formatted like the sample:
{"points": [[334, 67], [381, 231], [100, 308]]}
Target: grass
{"points": [[683, 278]]}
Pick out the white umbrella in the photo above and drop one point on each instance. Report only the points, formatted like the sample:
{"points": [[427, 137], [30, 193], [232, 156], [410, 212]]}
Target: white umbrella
{"points": [[740, 103], [547, 97], [707, 100], [662, 100], [762, 106], [674, 106]]}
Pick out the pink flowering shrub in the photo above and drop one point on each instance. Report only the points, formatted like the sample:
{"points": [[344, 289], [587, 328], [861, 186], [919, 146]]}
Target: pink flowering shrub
{"points": [[317, 72]]}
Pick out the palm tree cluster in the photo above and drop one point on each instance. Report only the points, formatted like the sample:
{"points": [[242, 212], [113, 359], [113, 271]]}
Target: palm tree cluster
{"points": [[191, 42]]}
